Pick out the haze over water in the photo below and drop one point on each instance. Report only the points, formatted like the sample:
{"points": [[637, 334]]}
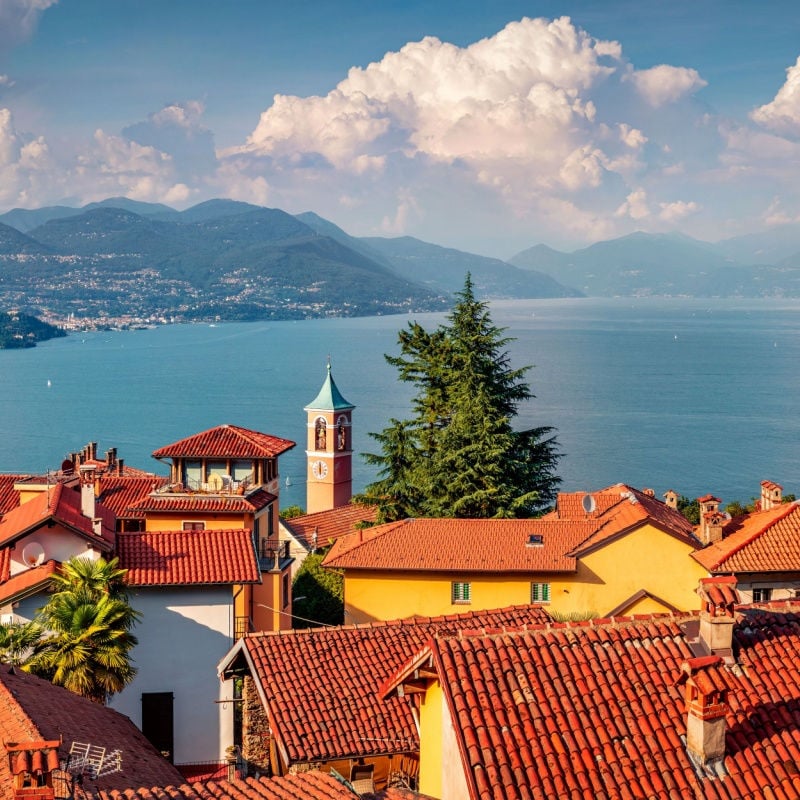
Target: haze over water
{"points": [[693, 395]]}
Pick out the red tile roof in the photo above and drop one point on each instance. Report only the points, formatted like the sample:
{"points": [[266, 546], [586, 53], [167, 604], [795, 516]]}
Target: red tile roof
{"points": [[592, 710], [226, 441], [312, 785], [504, 545], [9, 496], [322, 683], [203, 503], [121, 493], [32, 709], [62, 505], [28, 582], [765, 541], [171, 558], [328, 525]]}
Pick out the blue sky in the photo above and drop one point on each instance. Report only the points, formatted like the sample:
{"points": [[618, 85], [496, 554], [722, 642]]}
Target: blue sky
{"points": [[489, 126]]}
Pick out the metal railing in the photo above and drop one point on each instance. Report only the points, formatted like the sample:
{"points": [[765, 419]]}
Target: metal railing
{"points": [[271, 557]]}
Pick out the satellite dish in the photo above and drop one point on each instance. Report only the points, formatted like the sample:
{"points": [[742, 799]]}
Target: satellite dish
{"points": [[588, 503], [33, 554], [214, 482]]}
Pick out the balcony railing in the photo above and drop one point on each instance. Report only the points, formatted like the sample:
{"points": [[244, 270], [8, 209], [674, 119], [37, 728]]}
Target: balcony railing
{"points": [[272, 557]]}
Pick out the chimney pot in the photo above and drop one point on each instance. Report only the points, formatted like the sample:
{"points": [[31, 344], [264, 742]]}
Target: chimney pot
{"points": [[706, 708], [771, 495], [120, 466], [671, 498], [720, 596], [87, 473]]}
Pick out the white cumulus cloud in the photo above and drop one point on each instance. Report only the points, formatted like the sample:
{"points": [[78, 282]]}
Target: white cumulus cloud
{"points": [[782, 115], [665, 84]]}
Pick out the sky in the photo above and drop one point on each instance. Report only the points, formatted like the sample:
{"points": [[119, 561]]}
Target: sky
{"points": [[486, 125]]}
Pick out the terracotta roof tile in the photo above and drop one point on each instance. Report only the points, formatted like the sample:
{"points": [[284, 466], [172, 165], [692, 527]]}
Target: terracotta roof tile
{"points": [[226, 441], [170, 558], [312, 785], [764, 541], [208, 503], [32, 709], [63, 505], [323, 683], [121, 493], [28, 582], [594, 711], [442, 545], [9, 496], [548, 544], [328, 525]]}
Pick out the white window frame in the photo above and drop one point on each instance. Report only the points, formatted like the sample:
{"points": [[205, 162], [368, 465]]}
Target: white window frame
{"points": [[460, 592], [540, 592]]}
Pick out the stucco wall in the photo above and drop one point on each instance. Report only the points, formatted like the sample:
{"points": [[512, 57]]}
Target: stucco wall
{"points": [[183, 634]]}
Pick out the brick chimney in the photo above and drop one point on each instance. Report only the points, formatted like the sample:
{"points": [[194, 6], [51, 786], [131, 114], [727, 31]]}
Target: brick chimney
{"points": [[87, 473], [719, 596], [771, 495], [671, 498], [31, 765], [711, 519], [706, 707]]}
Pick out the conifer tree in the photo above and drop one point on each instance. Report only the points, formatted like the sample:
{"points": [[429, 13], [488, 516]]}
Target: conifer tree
{"points": [[459, 456]]}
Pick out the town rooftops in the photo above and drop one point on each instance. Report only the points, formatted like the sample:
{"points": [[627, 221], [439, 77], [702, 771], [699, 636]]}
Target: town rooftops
{"points": [[180, 558], [9, 496], [35, 711], [581, 522], [164, 501], [320, 686], [764, 541], [598, 710], [226, 441], [122, 493]]}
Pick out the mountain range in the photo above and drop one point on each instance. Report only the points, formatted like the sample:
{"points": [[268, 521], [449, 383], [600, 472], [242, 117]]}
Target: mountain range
{"points": [[225, 259]]}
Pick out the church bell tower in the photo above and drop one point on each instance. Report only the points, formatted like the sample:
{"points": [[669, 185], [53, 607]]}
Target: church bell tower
{"points": [[329, 452]]}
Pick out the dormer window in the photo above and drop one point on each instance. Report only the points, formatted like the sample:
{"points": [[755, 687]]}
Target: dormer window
{"points": [[535, 540]]}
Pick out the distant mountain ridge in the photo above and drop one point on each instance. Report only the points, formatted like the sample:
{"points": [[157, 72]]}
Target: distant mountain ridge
{"points": [[220, 259], [642, 264]]}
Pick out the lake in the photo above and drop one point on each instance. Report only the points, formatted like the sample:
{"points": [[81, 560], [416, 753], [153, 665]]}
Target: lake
{"points": [[693, 395]]}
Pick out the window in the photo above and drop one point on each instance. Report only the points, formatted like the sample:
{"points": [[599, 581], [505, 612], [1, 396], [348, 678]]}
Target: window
{"points": [[194, 526], [192, 474], [461, 593], [763, 595], [285, 591], [320, 433], [540, 593]]}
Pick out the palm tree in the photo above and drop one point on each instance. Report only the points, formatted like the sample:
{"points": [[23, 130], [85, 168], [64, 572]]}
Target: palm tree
{"points": [[87, 647], [17, 641]]}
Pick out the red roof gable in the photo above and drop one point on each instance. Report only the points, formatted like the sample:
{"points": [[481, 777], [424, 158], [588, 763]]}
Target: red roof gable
{"points": [[765, 541], [62, 505], [592, 710], [171, 558], [226, 441], [28, 582], [32, 709], [323, 528], [322, 684]]}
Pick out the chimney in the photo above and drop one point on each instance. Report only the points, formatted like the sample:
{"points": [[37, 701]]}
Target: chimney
{"points": [[120, 466], [711, 519], [648, 492], [671, 499], [32, 765], [87, 472], [705, 708], [771, 495], [97, 526], [720, 596]]}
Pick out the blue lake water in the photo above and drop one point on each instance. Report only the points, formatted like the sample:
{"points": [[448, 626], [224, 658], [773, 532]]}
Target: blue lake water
{"points": [[693, 395]]}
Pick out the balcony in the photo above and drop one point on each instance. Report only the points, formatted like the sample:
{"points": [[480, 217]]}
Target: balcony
{"points": [[271, 557]]}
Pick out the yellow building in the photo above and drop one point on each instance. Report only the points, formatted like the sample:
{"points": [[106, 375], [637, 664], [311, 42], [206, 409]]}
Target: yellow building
{"points": [[615, 551]]}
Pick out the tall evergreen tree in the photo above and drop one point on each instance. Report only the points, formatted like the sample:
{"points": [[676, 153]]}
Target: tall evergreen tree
{"points": [[459, 455]]}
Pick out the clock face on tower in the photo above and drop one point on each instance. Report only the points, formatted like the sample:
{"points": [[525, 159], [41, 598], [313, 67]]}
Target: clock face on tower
{"points": [[319, 469]]}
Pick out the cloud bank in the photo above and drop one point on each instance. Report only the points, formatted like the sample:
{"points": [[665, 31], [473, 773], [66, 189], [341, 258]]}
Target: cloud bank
{"points": [[540, 132]]}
